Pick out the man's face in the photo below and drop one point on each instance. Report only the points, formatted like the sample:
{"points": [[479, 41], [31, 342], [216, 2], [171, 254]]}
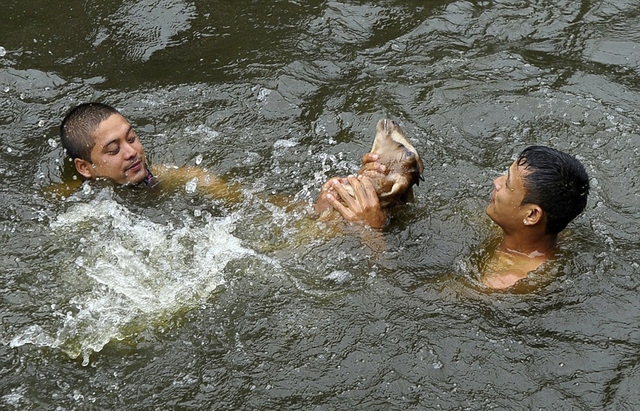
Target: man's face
{"points": [[118, 153], [505, 207]]}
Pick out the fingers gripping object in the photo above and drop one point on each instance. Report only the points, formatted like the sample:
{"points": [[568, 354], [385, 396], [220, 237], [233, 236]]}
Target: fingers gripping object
{"points": [[401, 167]]}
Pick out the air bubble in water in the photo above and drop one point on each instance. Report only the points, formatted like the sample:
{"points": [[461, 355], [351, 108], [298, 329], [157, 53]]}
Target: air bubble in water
{"points": [[3, 51], [339, 276], [198, 159], [398, 47], [263, 93]]}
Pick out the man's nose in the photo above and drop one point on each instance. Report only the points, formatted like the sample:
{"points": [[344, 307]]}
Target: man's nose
{"points": [[129, 151], [497, 183]]}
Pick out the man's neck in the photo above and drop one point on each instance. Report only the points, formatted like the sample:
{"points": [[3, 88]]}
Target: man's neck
{"points": [[532, 245]]}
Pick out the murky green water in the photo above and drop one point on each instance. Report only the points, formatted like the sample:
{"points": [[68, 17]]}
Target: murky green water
{"points": [[118, 298]]}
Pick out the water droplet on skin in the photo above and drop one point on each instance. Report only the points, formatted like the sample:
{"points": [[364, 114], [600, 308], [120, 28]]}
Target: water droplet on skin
{"points": [[191, 185]]}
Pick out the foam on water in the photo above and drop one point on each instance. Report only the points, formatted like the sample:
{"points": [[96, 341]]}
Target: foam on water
{"points": [[130, 272]]}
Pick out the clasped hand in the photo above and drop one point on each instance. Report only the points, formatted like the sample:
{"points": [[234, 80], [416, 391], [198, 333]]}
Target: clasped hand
{"points": [[362, 204]]}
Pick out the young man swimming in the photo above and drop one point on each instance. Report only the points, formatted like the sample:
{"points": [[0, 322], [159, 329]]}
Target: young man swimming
{"points": [[542, 191], [103, 144]]}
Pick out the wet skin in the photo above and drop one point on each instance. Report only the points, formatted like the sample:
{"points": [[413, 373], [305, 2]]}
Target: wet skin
{"points": [[505, 206], [525, 245], [117, 153]]}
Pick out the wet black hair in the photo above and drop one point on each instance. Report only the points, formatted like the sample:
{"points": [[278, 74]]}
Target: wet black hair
{"points": [[555, 181], [78, 126]]}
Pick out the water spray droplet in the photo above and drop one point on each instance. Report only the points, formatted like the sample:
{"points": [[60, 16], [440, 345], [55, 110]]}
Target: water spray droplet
{"points": [[191, 185]]}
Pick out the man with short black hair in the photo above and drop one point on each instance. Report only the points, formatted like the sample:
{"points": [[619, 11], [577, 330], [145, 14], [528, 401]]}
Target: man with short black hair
{"points": [[542, 191], [103, 144]]}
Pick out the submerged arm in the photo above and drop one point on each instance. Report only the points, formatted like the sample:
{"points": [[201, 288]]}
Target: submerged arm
{"points": [[204, 182]]}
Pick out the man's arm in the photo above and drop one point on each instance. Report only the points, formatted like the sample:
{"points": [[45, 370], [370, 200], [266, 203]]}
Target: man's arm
{"points": [[203, 182]]}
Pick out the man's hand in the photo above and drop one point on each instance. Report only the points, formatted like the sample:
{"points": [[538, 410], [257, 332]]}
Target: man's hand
{"points": [[362, 207], [323, 204], [370, 166]]}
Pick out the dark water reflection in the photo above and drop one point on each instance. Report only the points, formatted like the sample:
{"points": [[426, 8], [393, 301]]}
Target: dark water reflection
{"points": [[180, 300]]}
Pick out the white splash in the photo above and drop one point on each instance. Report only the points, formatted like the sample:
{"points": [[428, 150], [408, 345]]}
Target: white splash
{"points": [[129, 273], [205, 133]]}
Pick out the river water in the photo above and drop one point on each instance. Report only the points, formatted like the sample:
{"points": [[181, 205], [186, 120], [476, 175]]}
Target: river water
{"points": [[119, 298]]}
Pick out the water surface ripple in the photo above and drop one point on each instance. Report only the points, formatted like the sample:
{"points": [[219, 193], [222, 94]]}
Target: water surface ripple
{"points": [[117, 298]]}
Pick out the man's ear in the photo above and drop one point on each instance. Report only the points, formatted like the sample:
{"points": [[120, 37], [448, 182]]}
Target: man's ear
{"points": [[534, 215], [84, 167]]}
